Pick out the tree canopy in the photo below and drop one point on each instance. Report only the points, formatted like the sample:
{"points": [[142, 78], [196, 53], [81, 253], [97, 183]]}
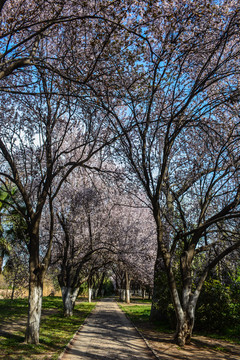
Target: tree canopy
{"points": [[142, 92]]}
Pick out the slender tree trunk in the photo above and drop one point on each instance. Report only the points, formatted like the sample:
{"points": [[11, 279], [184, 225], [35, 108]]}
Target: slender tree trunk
{"points": [[74, 296], [13, 291], [90, 289], [13, 286], [121, 291], [127, 279], [89, 294], [184, 311], [1, 262]]}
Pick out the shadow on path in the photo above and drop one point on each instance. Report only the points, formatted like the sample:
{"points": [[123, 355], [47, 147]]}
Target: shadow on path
{"points": [[107, 335]]}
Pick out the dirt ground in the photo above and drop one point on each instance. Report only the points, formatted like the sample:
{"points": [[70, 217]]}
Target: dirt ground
{"points": [[201, 348]]}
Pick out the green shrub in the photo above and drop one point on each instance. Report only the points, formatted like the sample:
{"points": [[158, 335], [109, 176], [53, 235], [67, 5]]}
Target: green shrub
{"points": [[218, 307]]}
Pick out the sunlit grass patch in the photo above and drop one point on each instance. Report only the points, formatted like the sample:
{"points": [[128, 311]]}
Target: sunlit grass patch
{"points": [[140, 314], [12, 309], [137, 312], [55, 331]]}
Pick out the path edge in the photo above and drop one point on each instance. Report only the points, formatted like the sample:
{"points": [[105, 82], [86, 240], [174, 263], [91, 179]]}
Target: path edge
{"points": [[141, 335], [68, 346]]}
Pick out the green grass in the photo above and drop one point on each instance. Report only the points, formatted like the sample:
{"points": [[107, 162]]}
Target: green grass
{"points": [[140, 313], [230, 335], [55, 332], [138, 300], [137, 312]]}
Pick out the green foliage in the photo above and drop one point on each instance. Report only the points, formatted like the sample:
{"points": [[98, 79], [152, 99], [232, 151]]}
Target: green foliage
{"points": [[5, 199], [108, 287], [218, 307], [83, 290], [163, 308], [56, 330]]}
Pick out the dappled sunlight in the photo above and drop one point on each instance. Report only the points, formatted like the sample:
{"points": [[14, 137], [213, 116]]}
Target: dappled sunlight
{"points": [[201, 348], [108, 334]]}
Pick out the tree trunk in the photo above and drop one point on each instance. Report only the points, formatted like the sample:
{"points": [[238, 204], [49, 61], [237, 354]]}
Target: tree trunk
{"points": [[36, 276], [185, 323], [67, 301], [13, 291], [34, 310], [128, 298], [127, 287], [69, 297], [90, 294], [122, 293], [1, 262], [74, 296], [100, 289], [13, 286], [160, 293]]}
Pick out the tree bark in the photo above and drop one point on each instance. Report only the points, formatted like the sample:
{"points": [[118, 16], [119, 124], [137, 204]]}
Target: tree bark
{"points": [[159, 293], [127, 287], [67, 302], [90, 294], [13, 286], [1, 263], [184, 311], [185, 324], [69, 297], [37, 272], [100, 289], [122, 293], [34, 309]]}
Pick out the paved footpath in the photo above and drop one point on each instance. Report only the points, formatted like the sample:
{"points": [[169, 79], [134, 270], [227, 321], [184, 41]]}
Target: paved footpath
{"points": [[107, 335]]}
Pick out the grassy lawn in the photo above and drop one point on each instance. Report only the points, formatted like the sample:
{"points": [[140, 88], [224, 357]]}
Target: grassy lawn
{"points": [[139, 313], [56, 330], [160, 338]]}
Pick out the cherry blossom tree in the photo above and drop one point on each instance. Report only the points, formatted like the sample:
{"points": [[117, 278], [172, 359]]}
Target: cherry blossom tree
{"points": [[40, 146], [80, 244], [53, 34], [44, 49], [132, 237], [162, 78], [178, 106], [101, 229]]}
